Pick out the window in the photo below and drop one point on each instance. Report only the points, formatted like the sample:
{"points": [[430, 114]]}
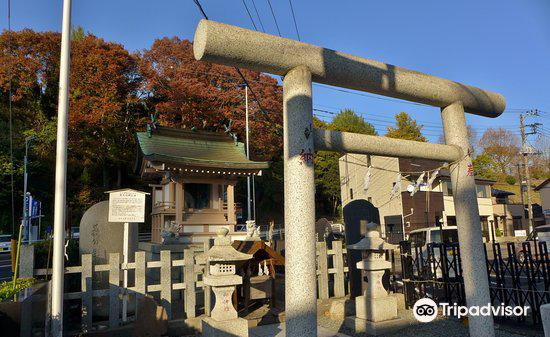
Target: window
{"points": [[418, 239], [447, 189], [197, 196], [482, 191], [450, 236], [351, 193], [451, 221], [517, 222]]}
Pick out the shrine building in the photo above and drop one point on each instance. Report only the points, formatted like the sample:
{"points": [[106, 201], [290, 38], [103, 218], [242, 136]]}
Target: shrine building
{"points": [[195, 173]]}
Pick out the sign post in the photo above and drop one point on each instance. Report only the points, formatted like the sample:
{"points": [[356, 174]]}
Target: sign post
{"points": [[128, 206]]}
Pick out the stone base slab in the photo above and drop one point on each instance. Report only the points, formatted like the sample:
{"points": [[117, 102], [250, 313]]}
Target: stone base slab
{"points": [[231, 328], [376, 309], [358, 325]]}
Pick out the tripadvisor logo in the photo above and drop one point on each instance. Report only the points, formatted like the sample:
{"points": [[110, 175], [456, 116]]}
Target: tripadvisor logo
{"points": [[425, 310]]}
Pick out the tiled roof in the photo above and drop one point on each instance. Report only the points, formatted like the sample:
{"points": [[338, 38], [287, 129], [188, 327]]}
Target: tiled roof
{"points": [[200, 149]]}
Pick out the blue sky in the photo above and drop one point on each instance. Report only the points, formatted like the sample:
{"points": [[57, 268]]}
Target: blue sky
{"points": [[499, 45]]}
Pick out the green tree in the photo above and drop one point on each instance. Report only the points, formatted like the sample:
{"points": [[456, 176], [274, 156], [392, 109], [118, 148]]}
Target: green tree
{"points": [[484, 167], [406, 128], [349, 121], [327, 175], [77, 33]]}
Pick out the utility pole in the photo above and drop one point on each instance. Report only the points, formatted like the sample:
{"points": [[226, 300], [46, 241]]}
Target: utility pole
{"points": [[248, 204], [524, 153], [61, 177], [520, 178]]}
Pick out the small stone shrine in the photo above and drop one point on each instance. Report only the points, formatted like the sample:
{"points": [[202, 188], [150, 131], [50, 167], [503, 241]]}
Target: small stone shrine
{"points": [[375, 305], [222, 260]]}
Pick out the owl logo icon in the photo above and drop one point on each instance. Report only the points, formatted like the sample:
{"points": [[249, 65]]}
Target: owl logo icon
{"points": [[425, 310]]}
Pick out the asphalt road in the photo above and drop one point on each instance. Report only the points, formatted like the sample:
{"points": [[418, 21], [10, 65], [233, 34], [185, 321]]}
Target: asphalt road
{"points": [[5, 267]]}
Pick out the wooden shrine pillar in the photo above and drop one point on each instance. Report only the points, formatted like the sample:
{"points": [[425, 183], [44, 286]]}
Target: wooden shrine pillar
{"points": [[179, 203], [231, 216]]}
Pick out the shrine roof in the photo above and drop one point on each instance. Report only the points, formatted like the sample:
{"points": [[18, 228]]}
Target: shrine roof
{"points": [[197, 149]]}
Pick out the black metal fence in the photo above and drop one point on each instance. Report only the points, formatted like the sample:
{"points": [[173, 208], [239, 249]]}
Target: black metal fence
{"points": [[519, 275]]}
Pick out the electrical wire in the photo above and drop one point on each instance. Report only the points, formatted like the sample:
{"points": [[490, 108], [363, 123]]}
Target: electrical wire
{"points": [[274, 17], [294, 19], [249, 15], [197, 2], [258, 14]]}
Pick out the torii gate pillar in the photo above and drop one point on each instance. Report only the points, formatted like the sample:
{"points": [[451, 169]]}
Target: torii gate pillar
{"points": [[467, 218], [300, 270]]}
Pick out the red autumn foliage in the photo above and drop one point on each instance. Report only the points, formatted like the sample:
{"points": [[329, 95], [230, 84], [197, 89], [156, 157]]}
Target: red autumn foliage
{"points": [[190, 93]]}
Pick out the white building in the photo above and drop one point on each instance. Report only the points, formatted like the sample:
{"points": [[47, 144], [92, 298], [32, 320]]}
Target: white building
{"points": [[400, 212]]}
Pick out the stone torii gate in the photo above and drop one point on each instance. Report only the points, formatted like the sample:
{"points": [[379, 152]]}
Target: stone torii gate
{"points": [[302, 63]]}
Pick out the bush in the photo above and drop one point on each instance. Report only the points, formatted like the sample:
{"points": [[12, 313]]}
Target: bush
{"points": [[7, 292], [498, 232], [510, 180]]}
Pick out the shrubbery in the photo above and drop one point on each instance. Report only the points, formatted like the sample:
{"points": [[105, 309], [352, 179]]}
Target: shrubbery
{"points": [[7, 291]]}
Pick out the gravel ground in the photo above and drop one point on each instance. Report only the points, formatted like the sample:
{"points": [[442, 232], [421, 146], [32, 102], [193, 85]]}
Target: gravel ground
{"points": [[446, 327]]}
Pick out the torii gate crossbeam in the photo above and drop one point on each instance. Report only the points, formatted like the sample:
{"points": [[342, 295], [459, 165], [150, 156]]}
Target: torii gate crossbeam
{"points": [[302, 63]]}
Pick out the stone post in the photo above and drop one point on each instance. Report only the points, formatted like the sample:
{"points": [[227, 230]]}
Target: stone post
{"points": [[375, 305], [476, 283], [300, 278], [545, 318], [221, 262]]}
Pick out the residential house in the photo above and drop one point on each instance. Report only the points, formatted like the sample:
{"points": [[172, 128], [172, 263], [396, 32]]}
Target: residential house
{"points": [[402, 212], [510, 217]]}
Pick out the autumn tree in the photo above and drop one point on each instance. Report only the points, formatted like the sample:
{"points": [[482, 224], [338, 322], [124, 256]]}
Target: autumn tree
{"points": [[188, 93], [406, 128], [502, 147], [103, 112]]}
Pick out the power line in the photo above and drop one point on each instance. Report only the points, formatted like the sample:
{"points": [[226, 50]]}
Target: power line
{"points": [[274, 18], [294, 19], [197, 2], [389, 99], [200, 8], [258, 14], [250, 15], [369, 118]]}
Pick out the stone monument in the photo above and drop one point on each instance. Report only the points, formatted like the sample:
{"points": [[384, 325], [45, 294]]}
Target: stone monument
{"points": [[222, 259], [375, 305], [357, 214], [100, 237]]}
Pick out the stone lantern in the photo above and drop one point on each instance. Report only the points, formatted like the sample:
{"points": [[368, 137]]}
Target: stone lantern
{"points": [[221, 260], [375, 305]]}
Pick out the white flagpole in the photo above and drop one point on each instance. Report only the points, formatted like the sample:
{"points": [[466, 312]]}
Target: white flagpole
{"points": [[61, 175]]}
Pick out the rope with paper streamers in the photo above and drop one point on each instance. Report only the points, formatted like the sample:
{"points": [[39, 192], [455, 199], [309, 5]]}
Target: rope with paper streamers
{"points": [[431, 175]]}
